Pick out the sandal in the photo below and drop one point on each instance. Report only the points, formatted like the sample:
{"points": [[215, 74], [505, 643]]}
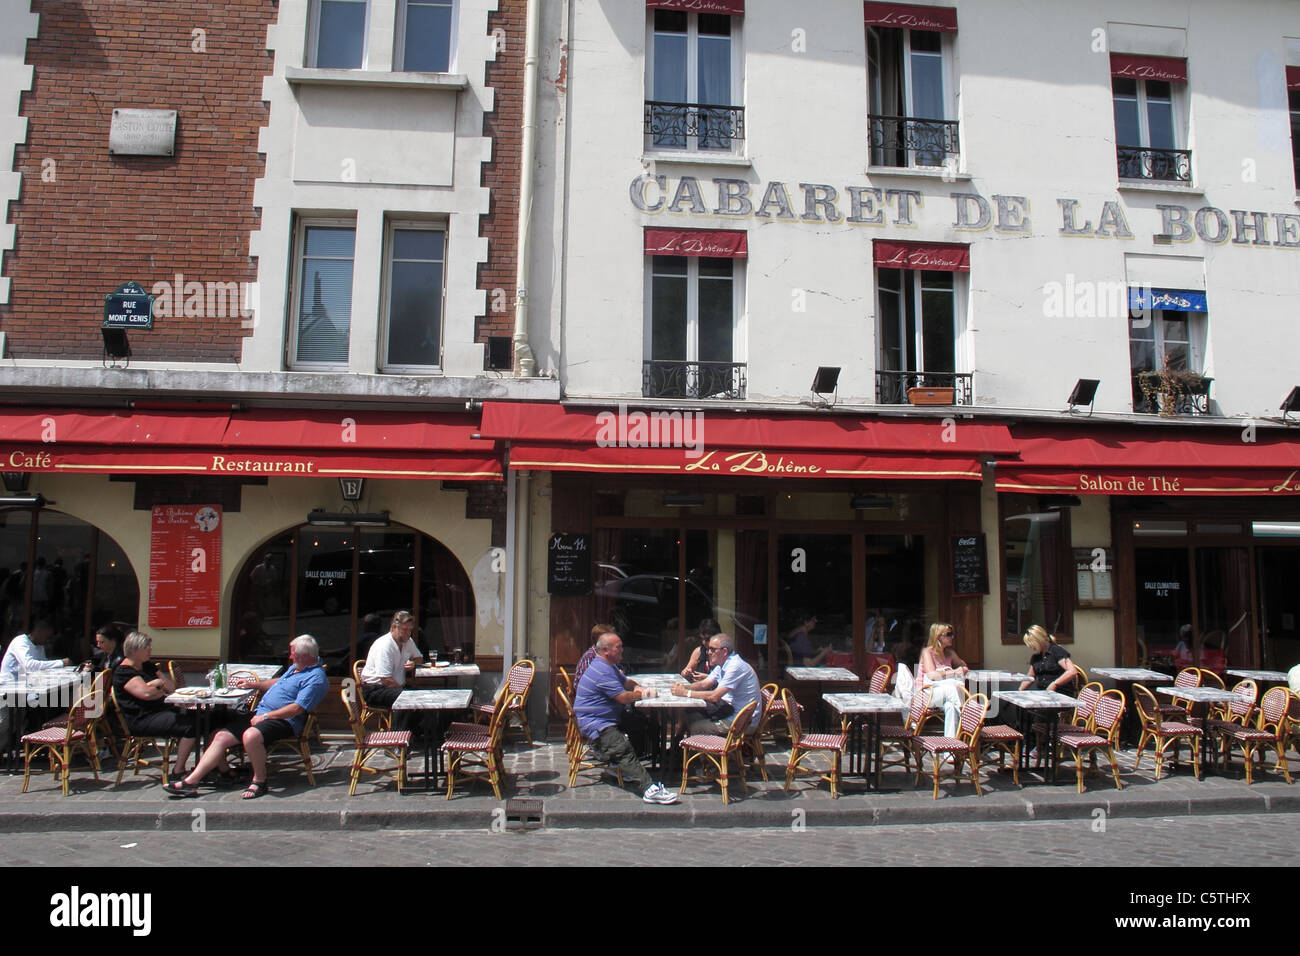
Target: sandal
{"points": [[177, 787], [254, 790]]}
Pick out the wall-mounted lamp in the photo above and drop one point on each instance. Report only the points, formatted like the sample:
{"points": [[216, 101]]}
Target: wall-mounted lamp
{"points": [[1085, 393]]}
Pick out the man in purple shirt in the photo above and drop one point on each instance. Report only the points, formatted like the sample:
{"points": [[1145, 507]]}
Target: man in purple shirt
{"points": [[602, 694]]}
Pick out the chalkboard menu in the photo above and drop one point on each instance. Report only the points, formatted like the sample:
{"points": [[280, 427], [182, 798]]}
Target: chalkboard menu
{"points": [[568, 564], [970, 570]]}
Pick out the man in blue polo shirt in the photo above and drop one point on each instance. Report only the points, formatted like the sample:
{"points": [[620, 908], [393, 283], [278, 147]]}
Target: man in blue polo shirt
{"points": [[598, 702], [282, 713], [730, 686]]}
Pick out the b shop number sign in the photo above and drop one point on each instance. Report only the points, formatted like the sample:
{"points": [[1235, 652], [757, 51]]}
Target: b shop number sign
{"points": [[185, 566]]}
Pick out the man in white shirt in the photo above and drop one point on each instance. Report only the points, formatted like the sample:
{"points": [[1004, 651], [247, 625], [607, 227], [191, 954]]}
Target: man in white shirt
{"points": [[730, 686], [27, 653], [391, 658]]}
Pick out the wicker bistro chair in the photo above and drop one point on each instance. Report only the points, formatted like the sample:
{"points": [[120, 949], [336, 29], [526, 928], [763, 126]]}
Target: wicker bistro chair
{"points": [[583, 754], [382, 716], [1180, 707], [133, 747], [803, 745], [468, 746], [60, 743], [719, 751], [1211, 679], [369, 744], [999, 740], [1269, 732], [902, 737], [1103, 733], [517, 685], [880, 679], [565, 682], [773, 701], [94, 717], [963, 748], [1081, 719], [1163, 732], [1241, 713], [300, 747]]}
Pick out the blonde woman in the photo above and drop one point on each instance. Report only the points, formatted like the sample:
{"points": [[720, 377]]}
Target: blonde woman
{"points": [[1050, 668], [942, 671]]}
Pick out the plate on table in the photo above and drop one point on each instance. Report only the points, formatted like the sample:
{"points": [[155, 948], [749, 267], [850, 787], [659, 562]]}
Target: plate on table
{"points": [[232, 692]]}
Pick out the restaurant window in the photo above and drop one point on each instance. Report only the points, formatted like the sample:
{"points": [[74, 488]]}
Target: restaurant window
{"points": [[1150, 124], [1293, 96], [693, 334], [337, 37], [322, 300], [60, 568], [1166, 355], [424, 32], [415, 257], [693, 81], [920, 334], [342, 585], [1036, 567], [910, 95]]}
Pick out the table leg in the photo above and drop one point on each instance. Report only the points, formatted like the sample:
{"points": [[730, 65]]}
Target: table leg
{"points": [[1053, 719]]}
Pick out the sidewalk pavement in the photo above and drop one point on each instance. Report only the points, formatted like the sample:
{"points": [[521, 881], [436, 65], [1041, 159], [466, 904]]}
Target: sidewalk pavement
{"points": [[538, 785]]}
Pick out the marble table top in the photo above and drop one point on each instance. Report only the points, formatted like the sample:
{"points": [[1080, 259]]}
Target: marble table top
{"points": [[192, 697], [1200, 695], [661, 684], [447, 670], [448, 699], [1279, 677], [260, 671], [821, 673], [1036, 699], [865, 703], [995, 677], [1136, 674]]}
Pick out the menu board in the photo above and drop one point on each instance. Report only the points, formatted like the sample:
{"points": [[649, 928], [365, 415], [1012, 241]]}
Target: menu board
{"points": [[1092, 577], [970, 569], [568, 564], [185, 566]]}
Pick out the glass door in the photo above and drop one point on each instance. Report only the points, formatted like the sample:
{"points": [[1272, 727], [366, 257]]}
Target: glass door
{"points": [[1279, 606], [1164, 607], [1222, 638]]}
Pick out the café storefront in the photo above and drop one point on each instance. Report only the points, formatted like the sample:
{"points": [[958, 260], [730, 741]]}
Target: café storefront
{"points": [[812, 539]]}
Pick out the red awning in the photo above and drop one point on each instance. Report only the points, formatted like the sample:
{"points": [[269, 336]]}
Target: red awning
{"points": [[911, 17], [1293, 77], [1134, 66], [938, 257], [670, 442], [702, 243], [1136, 461], [732, 7], [260, 442]]}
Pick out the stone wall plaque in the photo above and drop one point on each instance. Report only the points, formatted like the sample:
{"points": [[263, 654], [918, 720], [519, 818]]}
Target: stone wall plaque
{"points": [[142, 133]]}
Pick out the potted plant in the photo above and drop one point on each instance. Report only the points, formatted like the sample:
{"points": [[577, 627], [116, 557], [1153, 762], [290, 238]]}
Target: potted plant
{"points": [[1170, 390]]}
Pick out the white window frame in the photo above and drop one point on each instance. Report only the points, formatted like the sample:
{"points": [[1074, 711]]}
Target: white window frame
{"points": [[399, 45], [948, 76], [1197, 328], [1177, 115], [1293, 97], [960, 325], [299, 255], [692, 79], [392, 227], [738, 312], [313, 34]]}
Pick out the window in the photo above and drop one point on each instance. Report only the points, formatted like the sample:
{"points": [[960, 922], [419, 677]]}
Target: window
{"points": [[413, 275], [693, 334], [1166, 351], [1293, 94], [424, 35], [323, 293], [1148, 132], [1037, 564], [921, 324], [910, 94], [693, 83], [338, 34]]}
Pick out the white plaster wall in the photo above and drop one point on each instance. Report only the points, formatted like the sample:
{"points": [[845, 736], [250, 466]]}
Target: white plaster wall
{"points": [[365, 159], [1034, 100], [17, 25], [266, 511]]}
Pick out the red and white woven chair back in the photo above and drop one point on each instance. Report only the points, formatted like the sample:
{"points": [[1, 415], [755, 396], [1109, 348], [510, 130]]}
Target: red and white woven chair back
{"points": [[1188, 677], [740, 725], [1239, 710], [1272, 709], [1147, 708], [1083, 710], [972, 717], [880, 679], [520, 678], [920, 704], [792, 721], [1109, 709]]}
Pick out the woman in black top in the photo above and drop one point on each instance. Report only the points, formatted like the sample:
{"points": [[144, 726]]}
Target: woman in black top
{"points": [[1050, 668], [140, 690]]}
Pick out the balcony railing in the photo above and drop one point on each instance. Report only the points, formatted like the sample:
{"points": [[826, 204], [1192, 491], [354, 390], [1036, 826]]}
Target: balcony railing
{"points": [[908, 141], [677, 125], [1171, 395], [891, 387], [1163, 165], [668, 379]]}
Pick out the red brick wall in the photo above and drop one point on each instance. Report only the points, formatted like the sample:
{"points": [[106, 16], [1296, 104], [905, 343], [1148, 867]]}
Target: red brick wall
{"points": [[501, 175], [106, 220]]}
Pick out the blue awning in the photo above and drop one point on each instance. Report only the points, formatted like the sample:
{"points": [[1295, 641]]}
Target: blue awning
{"points": [[1141, 299]]}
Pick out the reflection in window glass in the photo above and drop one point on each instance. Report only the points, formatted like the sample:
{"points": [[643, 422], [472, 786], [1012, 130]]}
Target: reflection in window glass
{"points": [[427, 45], [325, 294], [815, 600], [415, 298], [340, 35], [1035, 545]]}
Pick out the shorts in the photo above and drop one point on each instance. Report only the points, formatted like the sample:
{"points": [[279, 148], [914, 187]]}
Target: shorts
{"points": [[271, 730]]}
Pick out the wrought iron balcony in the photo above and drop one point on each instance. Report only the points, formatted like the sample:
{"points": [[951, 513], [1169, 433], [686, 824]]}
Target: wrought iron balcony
{"points": [[676, 125], [908, 141], [891, 387], [1171, 394], [669, 379], [1164, 165]]}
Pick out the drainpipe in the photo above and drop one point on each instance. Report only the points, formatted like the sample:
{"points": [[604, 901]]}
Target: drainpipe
{"points": [[517, 570], [525, 362]]}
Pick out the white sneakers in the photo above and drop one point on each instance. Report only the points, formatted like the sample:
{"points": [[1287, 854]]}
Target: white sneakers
{"points": [[658, 793]]}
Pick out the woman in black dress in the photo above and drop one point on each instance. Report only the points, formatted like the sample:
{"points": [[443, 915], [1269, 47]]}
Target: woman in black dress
{"points": [[1050, 668], [140, 691]]}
